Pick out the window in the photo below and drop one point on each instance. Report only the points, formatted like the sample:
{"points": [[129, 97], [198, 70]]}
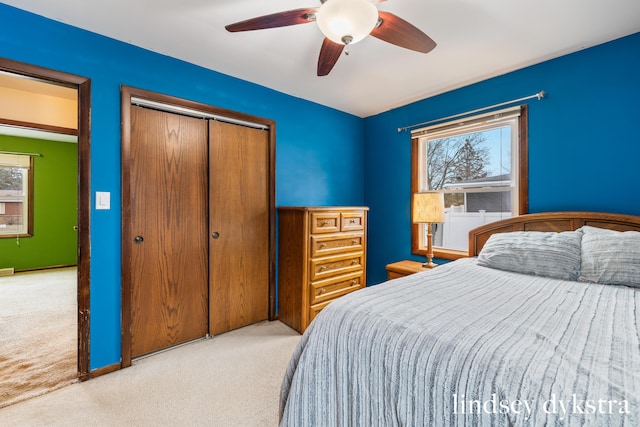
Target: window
{"points": [[16, 188], [480, 164]]}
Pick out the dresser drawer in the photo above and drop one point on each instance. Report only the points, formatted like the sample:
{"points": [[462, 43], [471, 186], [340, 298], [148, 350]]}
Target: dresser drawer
{"points": [[325, 222], [335, 287], [352, 221], [333, 266], [317, 308], [328, 245]]}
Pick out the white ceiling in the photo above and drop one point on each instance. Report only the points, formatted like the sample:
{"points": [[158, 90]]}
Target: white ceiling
{"points": [[477, 39]]}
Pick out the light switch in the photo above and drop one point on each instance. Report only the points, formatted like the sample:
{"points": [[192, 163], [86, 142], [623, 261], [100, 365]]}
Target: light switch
{"points": [[103, 200]]}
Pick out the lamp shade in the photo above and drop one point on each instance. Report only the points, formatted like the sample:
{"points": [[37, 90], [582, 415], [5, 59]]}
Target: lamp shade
{"points": [[428, 207], [347, 21]]}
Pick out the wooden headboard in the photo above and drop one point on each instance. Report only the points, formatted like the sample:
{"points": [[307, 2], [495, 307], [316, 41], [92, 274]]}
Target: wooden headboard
{"points": [[551, 221]]}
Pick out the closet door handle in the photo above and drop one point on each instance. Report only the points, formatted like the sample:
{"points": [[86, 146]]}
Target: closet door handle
{"points": [[138, 239], [215, 235]]}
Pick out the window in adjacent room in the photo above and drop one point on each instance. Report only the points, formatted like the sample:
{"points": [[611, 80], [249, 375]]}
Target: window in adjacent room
{"points": [[16, 178], [480, 164]]}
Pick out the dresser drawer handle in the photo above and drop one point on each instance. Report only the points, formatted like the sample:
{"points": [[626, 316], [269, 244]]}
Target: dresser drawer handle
{"points": [[323, 267], [354, 241], [353, 221], [354, 282], [354, 262], [325, 222], [322, 291], [323, 245]]}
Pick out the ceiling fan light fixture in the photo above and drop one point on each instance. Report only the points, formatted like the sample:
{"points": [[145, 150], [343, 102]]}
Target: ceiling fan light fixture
{"points": [[347, 21]]}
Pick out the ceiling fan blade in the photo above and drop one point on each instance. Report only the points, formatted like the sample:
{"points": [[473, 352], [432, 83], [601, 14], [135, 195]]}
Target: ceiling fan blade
{"points": [[399, 32], [329, 54], [280, 19]]}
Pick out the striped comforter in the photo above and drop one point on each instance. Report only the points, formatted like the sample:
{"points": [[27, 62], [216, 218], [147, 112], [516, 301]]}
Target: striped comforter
{"points": [[467, 345]]}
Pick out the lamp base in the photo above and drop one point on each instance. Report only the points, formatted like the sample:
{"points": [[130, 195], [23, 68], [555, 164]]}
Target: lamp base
{"points": [[429, 264]]}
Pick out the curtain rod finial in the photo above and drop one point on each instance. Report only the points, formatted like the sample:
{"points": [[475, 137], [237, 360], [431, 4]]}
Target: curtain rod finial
{"points": [[541, 95]]}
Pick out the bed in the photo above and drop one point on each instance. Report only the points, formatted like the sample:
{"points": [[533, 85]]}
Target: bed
{"points": [[539, 326]]}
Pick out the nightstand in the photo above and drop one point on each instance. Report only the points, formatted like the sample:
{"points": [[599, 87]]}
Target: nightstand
{"points": [[404, 268]]}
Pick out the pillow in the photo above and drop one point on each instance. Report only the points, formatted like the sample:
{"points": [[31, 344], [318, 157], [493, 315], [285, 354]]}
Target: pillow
{"points": [[548, 254], [610, 257]]}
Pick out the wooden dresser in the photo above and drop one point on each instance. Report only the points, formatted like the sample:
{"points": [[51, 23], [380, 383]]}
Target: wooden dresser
{"points": [[322, 256]]}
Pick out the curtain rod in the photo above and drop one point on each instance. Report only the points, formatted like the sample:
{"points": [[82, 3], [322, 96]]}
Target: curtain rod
{"points": [[22, 154], [538, 95]]}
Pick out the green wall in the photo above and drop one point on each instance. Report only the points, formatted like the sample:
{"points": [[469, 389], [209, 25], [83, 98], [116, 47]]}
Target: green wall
{"points": [[54, 241]]}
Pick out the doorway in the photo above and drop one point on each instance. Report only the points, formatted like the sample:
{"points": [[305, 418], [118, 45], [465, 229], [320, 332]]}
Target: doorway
{"points": [[198, 252], [83, 87]]}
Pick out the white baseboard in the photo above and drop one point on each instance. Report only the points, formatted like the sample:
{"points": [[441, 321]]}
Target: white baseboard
{"points": [[6, 271]]}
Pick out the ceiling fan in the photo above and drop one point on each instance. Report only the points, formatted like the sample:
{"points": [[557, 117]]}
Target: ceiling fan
{"points": [[343, 23]]}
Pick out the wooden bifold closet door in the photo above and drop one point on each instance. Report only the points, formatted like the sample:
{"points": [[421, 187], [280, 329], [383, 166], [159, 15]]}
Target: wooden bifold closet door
{"points": [[239, 214], [200, 224], [169, 263]]}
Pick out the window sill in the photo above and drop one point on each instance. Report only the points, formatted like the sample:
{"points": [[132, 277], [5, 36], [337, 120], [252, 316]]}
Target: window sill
{"points": [[443, 253]]}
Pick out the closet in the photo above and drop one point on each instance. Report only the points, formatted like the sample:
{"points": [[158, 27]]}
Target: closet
{"points": [[197, 223]]}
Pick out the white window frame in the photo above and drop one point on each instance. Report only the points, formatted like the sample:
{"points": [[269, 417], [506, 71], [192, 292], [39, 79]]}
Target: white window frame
{"points": [[25, 162], [518, 185]]}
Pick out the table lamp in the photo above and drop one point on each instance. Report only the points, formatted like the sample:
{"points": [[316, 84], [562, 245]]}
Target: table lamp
{"points": [[427, 209]]}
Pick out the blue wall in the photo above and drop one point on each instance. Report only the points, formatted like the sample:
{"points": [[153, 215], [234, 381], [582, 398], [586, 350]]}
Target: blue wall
{"points": [[584, 144], [307, 170]]}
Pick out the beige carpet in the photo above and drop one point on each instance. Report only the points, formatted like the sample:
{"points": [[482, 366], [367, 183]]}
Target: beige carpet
{"points": [[232, 379], [38, 333]]}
